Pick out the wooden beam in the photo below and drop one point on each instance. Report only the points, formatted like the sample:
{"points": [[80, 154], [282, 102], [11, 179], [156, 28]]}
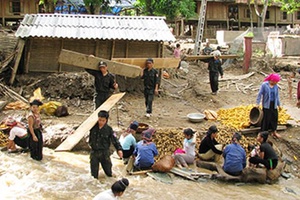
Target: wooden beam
{"points": [[85, 61], [159, 63], [20, 47], [79, 133], [204, 57], [258, 129]]}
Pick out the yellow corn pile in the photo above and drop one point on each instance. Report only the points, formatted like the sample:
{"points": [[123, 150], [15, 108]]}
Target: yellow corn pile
{"points": [[238, 117]]}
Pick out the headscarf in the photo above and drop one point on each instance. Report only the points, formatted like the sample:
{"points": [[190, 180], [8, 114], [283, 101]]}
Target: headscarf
{"points": [[273, 77]]}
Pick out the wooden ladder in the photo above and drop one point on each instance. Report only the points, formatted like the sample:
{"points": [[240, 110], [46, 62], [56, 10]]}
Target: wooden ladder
{"points": [[200, 27]]}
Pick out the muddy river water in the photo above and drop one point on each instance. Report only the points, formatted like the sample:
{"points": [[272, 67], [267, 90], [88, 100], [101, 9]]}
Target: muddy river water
{"points": [[66, 175]]}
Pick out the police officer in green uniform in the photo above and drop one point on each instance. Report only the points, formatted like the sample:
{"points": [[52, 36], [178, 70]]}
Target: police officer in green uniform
{"points": [[104, 81], [150, 76], [101, 136]]}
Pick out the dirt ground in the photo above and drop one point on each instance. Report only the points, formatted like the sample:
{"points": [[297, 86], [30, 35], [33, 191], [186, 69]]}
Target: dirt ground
{"points": [[179, 95]]}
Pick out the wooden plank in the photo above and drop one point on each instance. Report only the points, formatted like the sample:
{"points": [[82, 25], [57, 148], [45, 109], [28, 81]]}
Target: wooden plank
{"points": [[258, 129], [79, 133], [5, 62], [182, 173], [204, 57], [85, 61], [21, 44], [159, 63]]}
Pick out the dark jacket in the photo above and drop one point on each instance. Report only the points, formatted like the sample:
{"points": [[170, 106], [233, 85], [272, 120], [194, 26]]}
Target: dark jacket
{"points": [[150, 78], [214, 66], [100, 139], [207, 143], [102, 83]]}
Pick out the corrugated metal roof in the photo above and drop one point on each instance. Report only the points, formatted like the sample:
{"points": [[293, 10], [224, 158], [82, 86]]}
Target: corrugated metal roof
{"points": [[108, 27]]}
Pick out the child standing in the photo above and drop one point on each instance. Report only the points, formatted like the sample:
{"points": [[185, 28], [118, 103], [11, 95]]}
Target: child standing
{"points": [[101, 136], [35, 131]]}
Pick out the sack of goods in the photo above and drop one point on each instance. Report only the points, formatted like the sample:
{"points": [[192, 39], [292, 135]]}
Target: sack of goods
{"points": [[165, 164]]}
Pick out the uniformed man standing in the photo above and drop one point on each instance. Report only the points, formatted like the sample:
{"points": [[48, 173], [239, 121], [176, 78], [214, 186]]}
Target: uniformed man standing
{"points": [[150, 76], [101, 136], [104, 81]]}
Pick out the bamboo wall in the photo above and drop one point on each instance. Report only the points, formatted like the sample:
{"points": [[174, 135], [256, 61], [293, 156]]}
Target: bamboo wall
{"points": [[27, 6], [41, 54]]}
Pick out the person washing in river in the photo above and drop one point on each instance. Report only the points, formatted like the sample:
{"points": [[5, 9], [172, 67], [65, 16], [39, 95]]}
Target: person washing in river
{"points": [[128, 141], [116, 190], [234, 156], [101, 136], [187, 155], [209, 148], [145, 151], [17, 135], [267, 156], [104, 81]]}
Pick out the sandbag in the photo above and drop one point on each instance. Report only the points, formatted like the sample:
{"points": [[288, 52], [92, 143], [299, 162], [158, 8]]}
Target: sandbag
{"points": [[165, 164]]}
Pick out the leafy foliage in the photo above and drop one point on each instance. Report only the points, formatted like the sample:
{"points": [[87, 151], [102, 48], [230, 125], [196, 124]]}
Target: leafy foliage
{"points": [[169, 8], [289, 5]]}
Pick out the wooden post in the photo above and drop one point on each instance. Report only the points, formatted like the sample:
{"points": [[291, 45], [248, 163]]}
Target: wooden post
{"points": [[20, 47], [113, 49], [127, 48], [27, 56], [97, 53], [61, 48]]}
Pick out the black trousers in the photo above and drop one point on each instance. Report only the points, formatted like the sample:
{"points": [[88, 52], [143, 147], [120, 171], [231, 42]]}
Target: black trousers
{"points": [[214, 81], [128, 153], [36, 148], [149, 96], [103, 157], [22, 142], [270, 118], [269, 164], [100, 98]]}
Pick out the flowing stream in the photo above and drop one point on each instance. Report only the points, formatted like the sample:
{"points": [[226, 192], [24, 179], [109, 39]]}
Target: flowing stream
{"points": [[66, 175]]}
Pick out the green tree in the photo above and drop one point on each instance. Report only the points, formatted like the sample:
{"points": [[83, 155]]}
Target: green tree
{"points": [[168, 8], [289, 5], [94, 6], [48, 5]]}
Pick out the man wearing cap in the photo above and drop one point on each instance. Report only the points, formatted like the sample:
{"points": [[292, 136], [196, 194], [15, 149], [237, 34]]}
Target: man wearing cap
{"points": [[104, 81], [150, 76], [145, 151], [215, 68], [234, 156], [128, 141], [101, 137], [209, 148]]}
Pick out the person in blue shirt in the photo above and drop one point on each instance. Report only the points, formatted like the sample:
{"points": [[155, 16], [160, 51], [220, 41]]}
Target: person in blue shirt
{"points": [[269, 95], [145, 151], [128, 141], [234, 156]]}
